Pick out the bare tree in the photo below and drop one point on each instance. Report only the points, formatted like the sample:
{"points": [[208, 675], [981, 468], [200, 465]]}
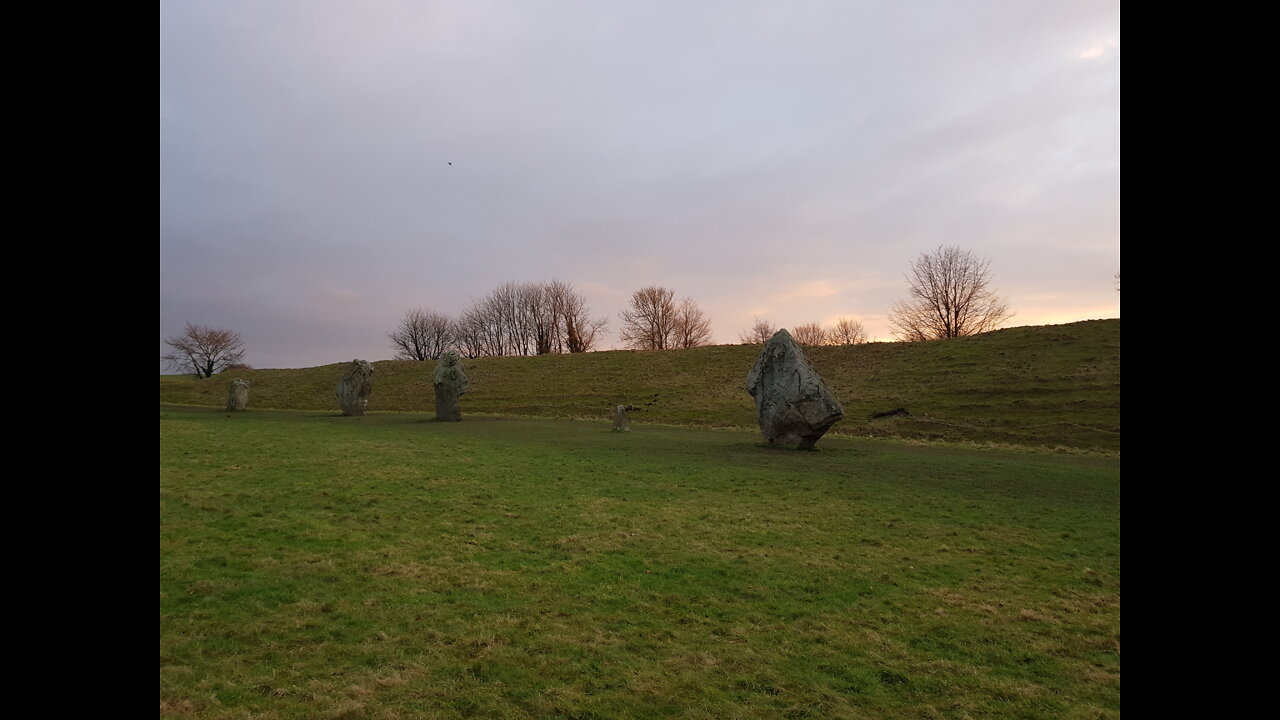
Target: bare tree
{"points": [[470, 334], [655, 321], [758, 334], [542, 320], [509, 311], [500, 323], [579, 332], [692, 328], [950, 296], [649, 324], [421, 335], [847, 332], [204, 350], [480, 331], [528, 319], [809, 334]]}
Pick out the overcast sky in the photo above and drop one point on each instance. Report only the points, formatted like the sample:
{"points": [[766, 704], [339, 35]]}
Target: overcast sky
{"points": [[786, 160]]}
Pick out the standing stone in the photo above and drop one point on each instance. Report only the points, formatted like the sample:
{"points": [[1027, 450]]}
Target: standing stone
{"points": [[238, 396], [793, 405], [451, 384], [354, 387], [620, 423]]}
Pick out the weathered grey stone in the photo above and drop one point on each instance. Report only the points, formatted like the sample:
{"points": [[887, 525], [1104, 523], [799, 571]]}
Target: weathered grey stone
{"points": [[451, 384], [238, 395], [793, 405], [354, 386], [620, 422]]}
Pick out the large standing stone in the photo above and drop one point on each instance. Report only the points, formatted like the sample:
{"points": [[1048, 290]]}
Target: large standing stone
{"points": [[451, 384], [238, 395], [620, 423], [793, 405], [354, 387]]}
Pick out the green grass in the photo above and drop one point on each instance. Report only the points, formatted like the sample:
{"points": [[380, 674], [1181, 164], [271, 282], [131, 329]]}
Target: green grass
{"points": [[1045, 386], [314, 566]]}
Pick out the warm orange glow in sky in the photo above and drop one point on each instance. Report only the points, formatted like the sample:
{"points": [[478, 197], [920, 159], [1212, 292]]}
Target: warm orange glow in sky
{"points": [[326, 166]]}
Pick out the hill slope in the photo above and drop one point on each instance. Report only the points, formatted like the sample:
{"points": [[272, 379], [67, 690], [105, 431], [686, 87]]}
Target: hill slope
{"points": [[1051, 386]]}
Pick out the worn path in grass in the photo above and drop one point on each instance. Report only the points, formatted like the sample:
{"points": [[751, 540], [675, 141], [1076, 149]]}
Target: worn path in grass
{"points": [[314, 566]]}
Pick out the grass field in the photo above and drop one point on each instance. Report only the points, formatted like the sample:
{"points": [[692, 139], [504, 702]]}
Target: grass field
{"points": [[315, 566]]}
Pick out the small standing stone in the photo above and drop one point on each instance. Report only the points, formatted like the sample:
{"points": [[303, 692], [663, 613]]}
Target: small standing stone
{"points": [[793, 405], [620, 423], [354, 387], [238, 395], [451, 384]]}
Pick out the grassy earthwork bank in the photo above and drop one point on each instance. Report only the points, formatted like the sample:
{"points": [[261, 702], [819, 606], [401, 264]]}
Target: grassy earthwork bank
{"points": [[389, 566], [1055, 386]]}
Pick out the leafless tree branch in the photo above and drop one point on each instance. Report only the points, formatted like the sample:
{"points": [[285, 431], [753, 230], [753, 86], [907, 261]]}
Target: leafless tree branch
{"points": [[847, 332], [758, 334], [692, 327], [809, 334], [950, 295], [204, 351], [528, 319], [655, 321], [421, 335], [649, 323]]}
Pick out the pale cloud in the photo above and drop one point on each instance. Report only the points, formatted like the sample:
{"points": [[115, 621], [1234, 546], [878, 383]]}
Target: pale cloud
{"points": [[1098, 48], [831, 320], [807, 291], [786, 161], [1032, 300], [339, 294]]}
